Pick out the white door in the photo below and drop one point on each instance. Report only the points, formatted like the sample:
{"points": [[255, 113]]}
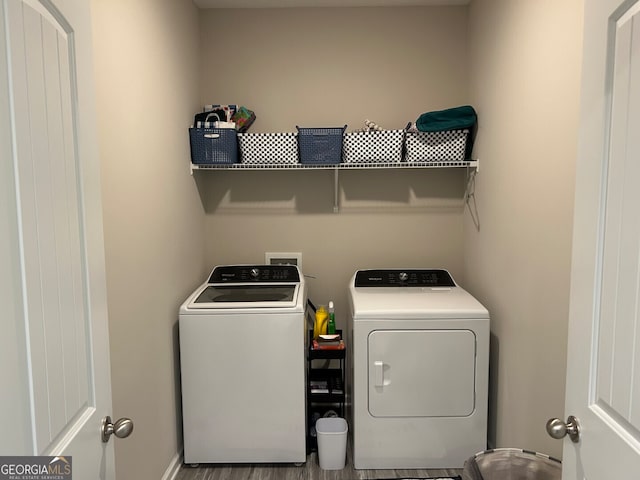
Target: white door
{"points": [[603, 372], [54, 357]]}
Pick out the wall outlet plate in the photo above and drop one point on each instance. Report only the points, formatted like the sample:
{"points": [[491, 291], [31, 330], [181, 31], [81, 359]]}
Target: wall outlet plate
{"points": [[283, 258]]}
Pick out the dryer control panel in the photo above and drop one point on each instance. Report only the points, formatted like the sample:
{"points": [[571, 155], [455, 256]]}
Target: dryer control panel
{"points": [[404, 278]]}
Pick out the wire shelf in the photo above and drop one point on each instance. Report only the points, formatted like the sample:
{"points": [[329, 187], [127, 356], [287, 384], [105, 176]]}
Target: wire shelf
{"points": [[472, 167], [340, 166]]}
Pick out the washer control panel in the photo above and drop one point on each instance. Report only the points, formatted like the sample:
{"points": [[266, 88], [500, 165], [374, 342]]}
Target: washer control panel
{"points": [[254, 273], [404, 278]]}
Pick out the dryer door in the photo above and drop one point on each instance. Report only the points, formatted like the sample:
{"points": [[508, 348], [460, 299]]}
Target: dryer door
{"points": [[421, 373]]}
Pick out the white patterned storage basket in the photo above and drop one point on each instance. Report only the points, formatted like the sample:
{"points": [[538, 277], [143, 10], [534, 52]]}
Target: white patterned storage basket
{"points": [[268, 148], [375, 146], [446, 146]]}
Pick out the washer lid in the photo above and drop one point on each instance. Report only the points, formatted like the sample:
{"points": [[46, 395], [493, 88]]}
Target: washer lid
{"points": [[247, 294], [249, 287]]}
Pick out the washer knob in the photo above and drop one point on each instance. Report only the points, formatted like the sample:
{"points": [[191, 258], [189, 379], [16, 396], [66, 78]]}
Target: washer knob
{"points": [[404, 276], [255, 272]]}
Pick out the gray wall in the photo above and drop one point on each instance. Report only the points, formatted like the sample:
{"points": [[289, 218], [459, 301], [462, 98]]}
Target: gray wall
{"points": [[331, 66], [525, 82], [147, 82]]}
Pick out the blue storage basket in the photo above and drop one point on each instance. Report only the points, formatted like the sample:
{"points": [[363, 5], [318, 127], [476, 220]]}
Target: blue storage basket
{"points": [[320, 146], [213, 145]]}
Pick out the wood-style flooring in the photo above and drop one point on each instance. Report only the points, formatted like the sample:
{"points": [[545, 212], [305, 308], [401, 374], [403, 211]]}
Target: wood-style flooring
{"points": [[309, 471]]}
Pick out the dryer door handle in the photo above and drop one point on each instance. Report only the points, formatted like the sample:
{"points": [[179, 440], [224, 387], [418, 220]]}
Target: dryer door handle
{"points": [[378, 367]]}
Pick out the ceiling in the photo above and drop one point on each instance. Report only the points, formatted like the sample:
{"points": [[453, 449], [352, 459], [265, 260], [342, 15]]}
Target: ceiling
{"points": [[323, 3]]}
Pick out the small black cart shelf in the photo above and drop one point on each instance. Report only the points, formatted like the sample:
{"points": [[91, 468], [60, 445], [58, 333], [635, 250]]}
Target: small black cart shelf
{"points": [[321, 400]]}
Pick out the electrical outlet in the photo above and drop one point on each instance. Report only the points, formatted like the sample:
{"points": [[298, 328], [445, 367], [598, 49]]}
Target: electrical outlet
{"points": [[283, 258]]}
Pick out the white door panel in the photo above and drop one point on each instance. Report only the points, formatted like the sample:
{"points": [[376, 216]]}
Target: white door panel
{"points": [[603, 381], [54, 234], [49, 214]]}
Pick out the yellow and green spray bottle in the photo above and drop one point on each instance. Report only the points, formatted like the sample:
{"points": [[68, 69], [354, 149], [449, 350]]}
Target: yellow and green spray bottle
{"points": [[320, 325], [331, 326]]}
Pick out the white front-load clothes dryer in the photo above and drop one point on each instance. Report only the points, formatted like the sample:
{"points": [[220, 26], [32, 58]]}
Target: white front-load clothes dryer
{"points": [[242, 360], [418, 372]]}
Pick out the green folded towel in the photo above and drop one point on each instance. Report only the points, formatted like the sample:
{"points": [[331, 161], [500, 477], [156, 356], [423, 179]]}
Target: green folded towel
{"points": [[458, 118]]}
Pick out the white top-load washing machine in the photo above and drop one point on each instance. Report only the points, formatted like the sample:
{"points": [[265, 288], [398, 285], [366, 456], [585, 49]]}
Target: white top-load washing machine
{"points": [[242, 358], [418, 371]]}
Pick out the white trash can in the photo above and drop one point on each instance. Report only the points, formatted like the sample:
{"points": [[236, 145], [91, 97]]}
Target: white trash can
{"points": [[332, 442]]}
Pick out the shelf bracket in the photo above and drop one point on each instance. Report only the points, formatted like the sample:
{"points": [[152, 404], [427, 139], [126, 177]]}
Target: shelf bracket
{"points": [[470, 195], [336, 190]]}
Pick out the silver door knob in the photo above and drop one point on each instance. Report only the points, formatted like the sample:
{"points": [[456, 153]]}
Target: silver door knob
{"points": [[121, 429], [556, 428]]}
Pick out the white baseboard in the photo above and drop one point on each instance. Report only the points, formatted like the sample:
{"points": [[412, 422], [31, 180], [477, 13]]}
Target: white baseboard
{"points": [[174, 467]]}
